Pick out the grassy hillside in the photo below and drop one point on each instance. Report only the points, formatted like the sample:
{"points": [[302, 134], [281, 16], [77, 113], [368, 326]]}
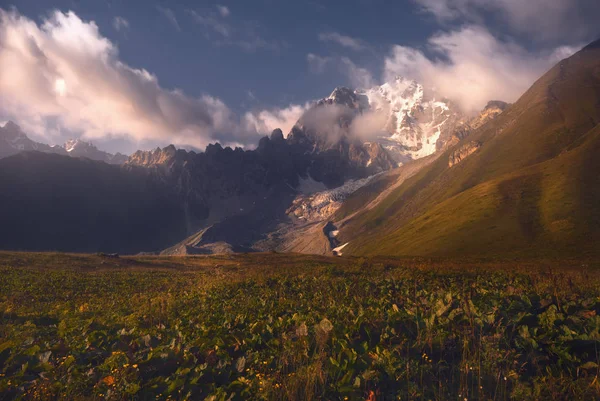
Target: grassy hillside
{"points": [[284, 326], [531, 188]]}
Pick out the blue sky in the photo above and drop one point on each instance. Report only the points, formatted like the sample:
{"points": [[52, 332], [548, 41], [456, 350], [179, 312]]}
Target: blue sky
{"points": [[193, 72], [196, 58]]}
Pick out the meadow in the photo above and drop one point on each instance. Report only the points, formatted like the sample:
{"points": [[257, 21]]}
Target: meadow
{"points": [[293, 327]]}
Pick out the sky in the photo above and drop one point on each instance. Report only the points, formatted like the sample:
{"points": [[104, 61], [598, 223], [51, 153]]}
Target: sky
{"points": [[129, 74]]}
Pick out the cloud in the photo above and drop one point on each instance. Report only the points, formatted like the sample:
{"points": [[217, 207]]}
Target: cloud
{"points": [[546, 20], [359, 77], [317, 64], [64, 75], [325, 120], [245, 35], [265, 121], [170, 15], [212, 23], [120, 24], [343, 40], [224, 11], [472, 67]]}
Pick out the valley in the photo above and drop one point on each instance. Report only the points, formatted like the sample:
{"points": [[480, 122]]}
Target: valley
{"points": [[300, 201]]}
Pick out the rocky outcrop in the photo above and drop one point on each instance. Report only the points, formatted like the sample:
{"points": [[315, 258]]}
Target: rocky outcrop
{"points": [[492, 110], [463, 152]]}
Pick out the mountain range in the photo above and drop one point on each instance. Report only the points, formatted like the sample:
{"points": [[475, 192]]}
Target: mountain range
{"points": [[395, 170], [13, 140]]}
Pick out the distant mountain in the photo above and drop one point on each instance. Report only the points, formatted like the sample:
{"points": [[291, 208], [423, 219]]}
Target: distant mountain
{"points": [[79, 148], [525, 183], [13, 140]]}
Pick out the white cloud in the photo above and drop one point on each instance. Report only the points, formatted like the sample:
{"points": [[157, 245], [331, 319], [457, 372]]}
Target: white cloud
{"points": [[244, 35], [223, 10], [343, 40], [265, 121], [359, 77], [212, 23], [170, 15], [317, 64], [120, 23], [474, 66], [562, 20], [63, 75]]}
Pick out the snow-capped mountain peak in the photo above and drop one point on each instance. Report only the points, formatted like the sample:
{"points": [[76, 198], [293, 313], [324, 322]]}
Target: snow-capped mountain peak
{"points": [[417, 122], [79, 145]]}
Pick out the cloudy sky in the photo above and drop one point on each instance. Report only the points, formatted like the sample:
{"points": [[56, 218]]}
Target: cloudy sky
{"points": [[129, 74]]}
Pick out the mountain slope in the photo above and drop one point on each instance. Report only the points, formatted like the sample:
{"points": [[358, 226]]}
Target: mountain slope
{"points": [[528, 185], [53, 202]]}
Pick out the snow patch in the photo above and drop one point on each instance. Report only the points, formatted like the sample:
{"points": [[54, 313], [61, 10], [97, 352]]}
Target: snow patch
{"points": [[337, 251], [413, 120]]}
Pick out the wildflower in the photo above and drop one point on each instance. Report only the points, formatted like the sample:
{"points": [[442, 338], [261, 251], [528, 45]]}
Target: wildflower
{"points": [[135, 366]]}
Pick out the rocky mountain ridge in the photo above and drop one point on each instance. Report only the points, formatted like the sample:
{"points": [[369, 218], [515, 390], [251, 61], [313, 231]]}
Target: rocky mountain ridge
{"points": [[401, 117], [226, 199], [13, 140]]}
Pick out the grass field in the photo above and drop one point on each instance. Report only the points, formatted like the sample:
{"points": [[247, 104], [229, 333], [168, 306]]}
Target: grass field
{"points": [[278, 326]]}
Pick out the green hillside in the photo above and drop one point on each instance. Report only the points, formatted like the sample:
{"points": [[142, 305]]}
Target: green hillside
{"points": [[532, 187]]}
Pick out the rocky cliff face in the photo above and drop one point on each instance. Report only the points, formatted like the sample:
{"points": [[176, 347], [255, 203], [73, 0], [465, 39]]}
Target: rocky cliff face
{"points": [[492, 110], [463, 152], [326, 132]]}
